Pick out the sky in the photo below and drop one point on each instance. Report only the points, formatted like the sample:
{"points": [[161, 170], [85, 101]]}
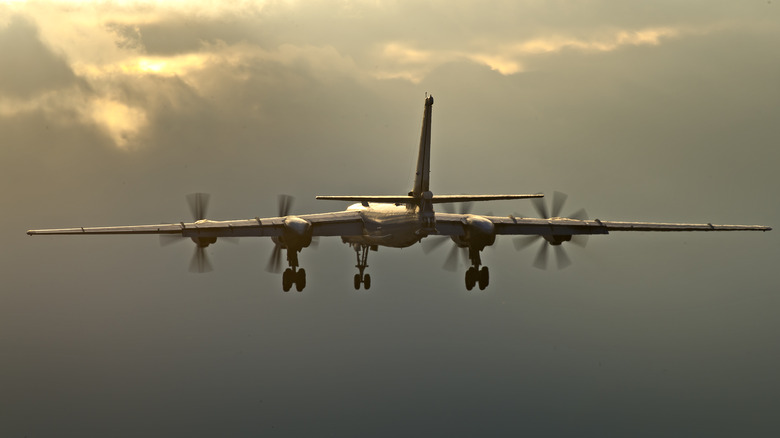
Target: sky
{"points": [[112, 112]]}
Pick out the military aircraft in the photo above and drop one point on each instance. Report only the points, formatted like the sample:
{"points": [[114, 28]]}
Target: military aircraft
{"points": [[397, 222]]}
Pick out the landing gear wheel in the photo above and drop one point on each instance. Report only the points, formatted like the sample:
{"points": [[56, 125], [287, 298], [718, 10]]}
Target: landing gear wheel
{"points": [[471, 278], [287, 279], [300, 280], [361, 251], [484, 278]]}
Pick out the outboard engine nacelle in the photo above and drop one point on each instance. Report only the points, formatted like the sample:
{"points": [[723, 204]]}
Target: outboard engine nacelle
{"points": [[297, 233], [203, 242], [557, 239]]}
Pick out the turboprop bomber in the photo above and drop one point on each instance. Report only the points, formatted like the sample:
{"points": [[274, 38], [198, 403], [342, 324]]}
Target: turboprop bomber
{"points": [[397, 222]]}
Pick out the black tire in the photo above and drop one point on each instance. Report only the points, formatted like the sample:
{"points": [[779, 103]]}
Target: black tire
{"points": [[300, 280], [357, 281], [470, 278], [484, 278], [367, 281], [287, 279]]}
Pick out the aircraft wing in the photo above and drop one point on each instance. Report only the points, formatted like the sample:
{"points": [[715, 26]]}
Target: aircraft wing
{"points": [[343, 223], [455, 224]]}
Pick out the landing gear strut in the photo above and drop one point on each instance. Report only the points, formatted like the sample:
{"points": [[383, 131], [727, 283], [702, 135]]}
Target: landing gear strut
{"points": [[362, 263], [474, 275]]}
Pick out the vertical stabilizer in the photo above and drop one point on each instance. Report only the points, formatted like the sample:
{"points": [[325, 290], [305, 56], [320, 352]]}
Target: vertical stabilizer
{"points": [[422, 177]]}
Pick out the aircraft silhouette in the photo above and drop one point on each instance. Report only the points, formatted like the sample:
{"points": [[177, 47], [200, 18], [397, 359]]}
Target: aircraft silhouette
{"points": [[397, 222]]}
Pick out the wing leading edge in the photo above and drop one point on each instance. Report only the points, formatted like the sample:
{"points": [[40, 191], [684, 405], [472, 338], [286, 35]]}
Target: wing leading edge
{"points": [[346, 223], [453, 224], [350, 223]]}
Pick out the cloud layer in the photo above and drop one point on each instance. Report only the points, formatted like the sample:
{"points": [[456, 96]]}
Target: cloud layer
{"points": [[97, 55]]}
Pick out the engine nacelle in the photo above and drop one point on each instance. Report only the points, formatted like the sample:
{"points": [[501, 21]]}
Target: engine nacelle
{"points": [[557, 239], [479, 232], [203, 242], [297, 233]]}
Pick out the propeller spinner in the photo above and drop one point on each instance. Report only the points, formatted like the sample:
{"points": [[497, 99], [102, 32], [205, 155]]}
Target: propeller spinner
{"points": [[275, 261], [562, 259], [198, 203]]}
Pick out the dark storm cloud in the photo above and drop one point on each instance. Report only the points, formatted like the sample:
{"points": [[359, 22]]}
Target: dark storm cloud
{"points": [[29, 67]]}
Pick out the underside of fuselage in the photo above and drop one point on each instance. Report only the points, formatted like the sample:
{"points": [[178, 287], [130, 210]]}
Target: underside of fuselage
{"points": [[391, 225]]}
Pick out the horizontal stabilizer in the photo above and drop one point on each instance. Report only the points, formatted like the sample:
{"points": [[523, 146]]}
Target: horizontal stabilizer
{"points": [[437, 199], [440, 199], [403, 199]]}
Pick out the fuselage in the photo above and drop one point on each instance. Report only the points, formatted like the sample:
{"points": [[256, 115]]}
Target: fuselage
{"points": [[396, 226]]}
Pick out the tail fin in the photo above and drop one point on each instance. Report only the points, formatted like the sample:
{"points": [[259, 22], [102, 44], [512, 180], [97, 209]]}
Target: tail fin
{"points": [[422, 177], [418, 195]]}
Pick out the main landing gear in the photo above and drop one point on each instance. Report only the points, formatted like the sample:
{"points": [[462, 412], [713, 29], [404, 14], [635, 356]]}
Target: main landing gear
{"points": [[362, 263], [293, 275], [474, 275]]}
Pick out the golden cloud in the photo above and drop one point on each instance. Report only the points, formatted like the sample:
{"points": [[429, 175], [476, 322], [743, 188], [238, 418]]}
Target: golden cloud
{"points": [[119, 120], [90, 44], [405, 61], [609, 43]]}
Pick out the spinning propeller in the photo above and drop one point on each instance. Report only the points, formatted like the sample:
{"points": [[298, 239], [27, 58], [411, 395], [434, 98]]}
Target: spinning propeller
{"points": [[198, 203], [465, 207], [562, 259], [457, 252], [275, 262]]}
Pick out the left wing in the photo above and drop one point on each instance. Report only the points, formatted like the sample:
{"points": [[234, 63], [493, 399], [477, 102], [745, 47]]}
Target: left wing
{"points": [[454, 224], [344, 223]]}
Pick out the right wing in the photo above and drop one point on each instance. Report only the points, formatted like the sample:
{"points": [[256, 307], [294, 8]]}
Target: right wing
{"points": [[344, 223]]}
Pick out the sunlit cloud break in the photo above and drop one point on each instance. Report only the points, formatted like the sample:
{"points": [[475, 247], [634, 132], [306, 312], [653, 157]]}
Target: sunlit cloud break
{"points": [[168, 66], [412, 63], [613, 42], [122, 122], [119, 121]]}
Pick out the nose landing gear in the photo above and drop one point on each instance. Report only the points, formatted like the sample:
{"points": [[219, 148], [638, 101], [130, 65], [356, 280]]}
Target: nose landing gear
{"points": [[364, 279], [361, 251]]}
